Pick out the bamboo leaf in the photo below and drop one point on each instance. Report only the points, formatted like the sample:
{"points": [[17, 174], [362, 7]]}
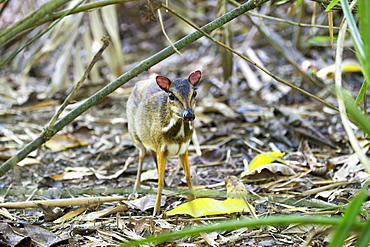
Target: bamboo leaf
{"points": [[356, 37], [356, 114], [364, 18], [364, 238], [349, 220], [331, 5], [238, 223]]}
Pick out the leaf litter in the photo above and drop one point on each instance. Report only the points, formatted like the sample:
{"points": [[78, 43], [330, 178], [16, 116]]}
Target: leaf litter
{"points": [[318, 173]]}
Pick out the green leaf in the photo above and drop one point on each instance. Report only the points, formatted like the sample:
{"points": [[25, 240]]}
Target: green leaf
{"points": [[362, 92], [362, 47], [364, 237], [331, 5], [364, 19], [356, 37], [361, 119], [349, 220], [229, 225], [297, 2]]}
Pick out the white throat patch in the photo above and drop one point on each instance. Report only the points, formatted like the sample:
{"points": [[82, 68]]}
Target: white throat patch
{"points": [[172, 123]]}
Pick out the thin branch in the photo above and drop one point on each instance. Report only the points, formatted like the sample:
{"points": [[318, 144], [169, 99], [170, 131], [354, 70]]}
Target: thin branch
{"points": [[287, 21], [164, 31], [47, 15], [78, 85], [64, 202]]}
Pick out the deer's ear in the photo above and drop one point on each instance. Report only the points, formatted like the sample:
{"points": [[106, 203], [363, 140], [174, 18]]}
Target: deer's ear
{"points": [[163, 82], [194, 77]]}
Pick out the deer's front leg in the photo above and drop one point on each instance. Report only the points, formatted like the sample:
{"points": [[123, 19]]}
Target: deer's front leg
{"points": [[161, 167], [185, 165]]}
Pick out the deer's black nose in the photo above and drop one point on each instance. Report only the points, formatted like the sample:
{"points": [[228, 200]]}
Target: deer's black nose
{"points": [[188, 115]]}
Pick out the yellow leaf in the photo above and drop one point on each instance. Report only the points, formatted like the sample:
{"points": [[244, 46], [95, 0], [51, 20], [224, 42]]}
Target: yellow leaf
{"points": [[270, 169], [71, 215], [207, 206], [347, 66], [68, 175], [263, 159]]}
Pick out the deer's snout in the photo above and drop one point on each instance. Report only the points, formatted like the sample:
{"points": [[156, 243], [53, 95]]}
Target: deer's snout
{"points": [[188, 115]]}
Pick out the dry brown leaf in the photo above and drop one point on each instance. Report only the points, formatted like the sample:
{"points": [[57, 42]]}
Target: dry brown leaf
{"points": [[235, 188], [37, 105], [218, 107], [65, 32], [8, 95], [303, 229], [141, 225], [99, 173], [4, 212], [111, 234], [271, 169], [114, 58], [50, 213], [210, 238], [61, 142], [71, 215], [212, 156], [6, 152], [104, 212], [27, 235], [28, 161], [148, 9], [146, 202], [316, 167]]}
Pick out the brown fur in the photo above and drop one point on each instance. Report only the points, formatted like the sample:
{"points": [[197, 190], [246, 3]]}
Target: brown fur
{"points": [[158, 123]]}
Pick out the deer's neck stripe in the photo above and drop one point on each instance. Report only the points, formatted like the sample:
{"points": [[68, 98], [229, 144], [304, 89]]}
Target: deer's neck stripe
{"points": [[172, 123]]}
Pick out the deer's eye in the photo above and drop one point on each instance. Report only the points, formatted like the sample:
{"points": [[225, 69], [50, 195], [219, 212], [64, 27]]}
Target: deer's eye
{"points": [[171, 96], [194, 94]]}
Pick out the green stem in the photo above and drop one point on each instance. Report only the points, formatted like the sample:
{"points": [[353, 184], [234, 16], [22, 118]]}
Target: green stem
{"points": [[230, 225], [8, 33]]}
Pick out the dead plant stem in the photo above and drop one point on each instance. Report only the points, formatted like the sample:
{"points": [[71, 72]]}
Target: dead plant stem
{"points": [[74, 91], [286, 21]]}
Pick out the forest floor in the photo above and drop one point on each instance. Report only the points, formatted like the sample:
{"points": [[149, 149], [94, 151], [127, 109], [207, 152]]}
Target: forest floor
{"points": [[237, 119]]}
